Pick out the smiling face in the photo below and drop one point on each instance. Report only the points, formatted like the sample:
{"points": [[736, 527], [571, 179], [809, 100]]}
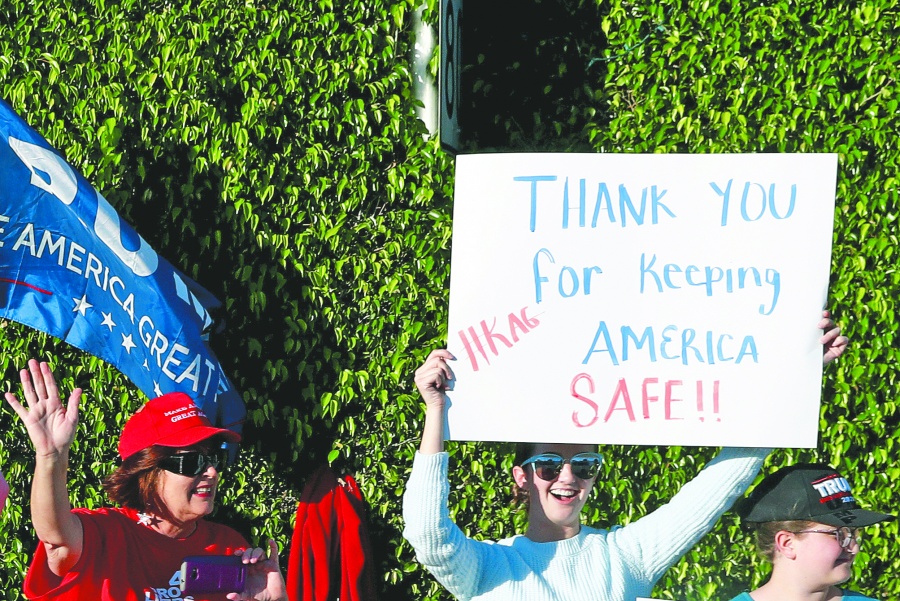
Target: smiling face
{"points": [[188, 497], [554, 511]]}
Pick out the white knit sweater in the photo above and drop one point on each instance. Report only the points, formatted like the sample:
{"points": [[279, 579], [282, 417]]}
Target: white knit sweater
{"points": [[603, 565]]}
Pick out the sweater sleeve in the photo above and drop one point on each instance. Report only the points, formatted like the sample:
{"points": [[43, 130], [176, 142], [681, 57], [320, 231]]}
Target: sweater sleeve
{"points": [[652, 544], [452, 558]]}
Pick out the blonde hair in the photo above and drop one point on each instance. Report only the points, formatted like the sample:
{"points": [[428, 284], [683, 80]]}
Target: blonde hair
{"points": [[765, 532]]}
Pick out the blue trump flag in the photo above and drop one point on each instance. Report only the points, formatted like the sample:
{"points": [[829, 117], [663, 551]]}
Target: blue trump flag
{"points": [[71, 268]]}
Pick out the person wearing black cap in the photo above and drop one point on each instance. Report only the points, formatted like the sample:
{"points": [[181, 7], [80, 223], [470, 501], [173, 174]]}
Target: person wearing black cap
{"points": [[807, 525]]}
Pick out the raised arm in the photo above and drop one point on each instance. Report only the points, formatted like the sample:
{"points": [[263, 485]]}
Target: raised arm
{"points": [[432, 380], [51, 427], [455, 560]]}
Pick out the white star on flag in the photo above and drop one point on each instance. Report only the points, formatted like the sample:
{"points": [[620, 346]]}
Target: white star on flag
{"points": [[108, 321], [156, 389], [128, 343], [81, 305]]}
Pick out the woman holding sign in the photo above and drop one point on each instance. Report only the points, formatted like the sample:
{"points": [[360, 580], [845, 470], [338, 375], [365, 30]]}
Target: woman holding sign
{"points": [[558, 557]]}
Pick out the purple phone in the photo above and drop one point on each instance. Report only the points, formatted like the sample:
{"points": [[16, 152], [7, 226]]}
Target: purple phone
{"points": [[213, 574]]}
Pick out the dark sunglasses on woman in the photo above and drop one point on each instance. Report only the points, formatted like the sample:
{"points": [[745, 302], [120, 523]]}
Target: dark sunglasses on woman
{"points": [[548, 466], [193, 463]]}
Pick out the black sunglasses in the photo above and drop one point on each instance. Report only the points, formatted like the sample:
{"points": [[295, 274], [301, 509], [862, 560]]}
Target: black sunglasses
{"points": [[193, 463], [548, 466]]}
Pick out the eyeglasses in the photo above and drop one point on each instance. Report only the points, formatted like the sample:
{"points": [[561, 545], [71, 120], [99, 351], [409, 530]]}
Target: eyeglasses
{"points": [[844, 536], [193, 463], [548, 466]]}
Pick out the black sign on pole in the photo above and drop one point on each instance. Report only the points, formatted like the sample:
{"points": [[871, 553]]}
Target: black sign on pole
{"points": [[449, 76], [514, 74]]}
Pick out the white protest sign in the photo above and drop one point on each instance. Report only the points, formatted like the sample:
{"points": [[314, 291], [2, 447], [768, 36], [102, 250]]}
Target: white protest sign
{"points": [[639, 299]]}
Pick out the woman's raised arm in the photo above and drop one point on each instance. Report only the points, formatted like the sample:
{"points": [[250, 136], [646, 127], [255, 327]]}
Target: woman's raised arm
{"points": [[432, 380], [51, 427]]}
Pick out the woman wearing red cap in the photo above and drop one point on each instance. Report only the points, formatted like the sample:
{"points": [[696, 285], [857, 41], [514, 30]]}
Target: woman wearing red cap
{"points": [[165, 486]]}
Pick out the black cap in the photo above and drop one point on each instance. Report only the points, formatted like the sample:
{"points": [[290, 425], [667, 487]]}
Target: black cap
{"points": [[812, 492]]}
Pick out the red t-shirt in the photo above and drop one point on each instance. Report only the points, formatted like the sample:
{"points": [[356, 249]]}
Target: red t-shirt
{"points": [[123, 559]]}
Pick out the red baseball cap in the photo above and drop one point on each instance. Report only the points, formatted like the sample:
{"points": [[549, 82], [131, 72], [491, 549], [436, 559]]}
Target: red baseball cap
{"points": [[172, 420]]}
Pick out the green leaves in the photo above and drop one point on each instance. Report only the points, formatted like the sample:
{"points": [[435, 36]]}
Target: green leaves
{"points": [[272, 152]]}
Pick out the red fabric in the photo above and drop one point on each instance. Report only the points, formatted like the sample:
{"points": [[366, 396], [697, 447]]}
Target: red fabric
{"points": [[123, 560], [330, 554]]}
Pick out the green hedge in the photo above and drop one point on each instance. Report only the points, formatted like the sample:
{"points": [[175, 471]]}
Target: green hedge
{"points": [[271, 151]]}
